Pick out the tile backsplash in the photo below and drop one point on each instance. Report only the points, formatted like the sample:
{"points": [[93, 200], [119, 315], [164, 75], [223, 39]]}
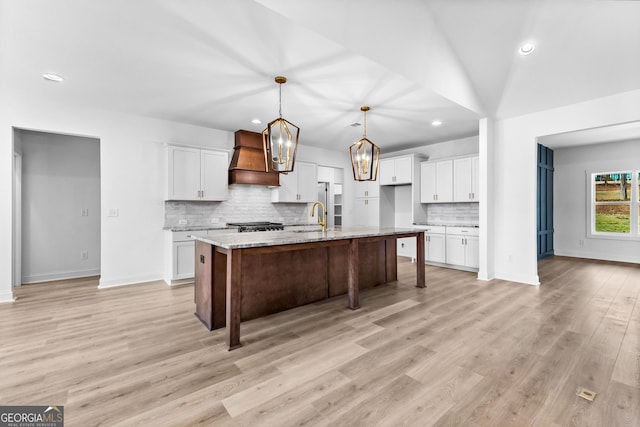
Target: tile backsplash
{"points": [[246, 203], [453, 213]]}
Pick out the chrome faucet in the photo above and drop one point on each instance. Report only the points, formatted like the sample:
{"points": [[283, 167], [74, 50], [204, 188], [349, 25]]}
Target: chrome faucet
{"points": [[323, 223]]}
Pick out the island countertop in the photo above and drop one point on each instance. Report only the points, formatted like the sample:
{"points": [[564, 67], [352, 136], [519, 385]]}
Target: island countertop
{"points": [[273, 238]]}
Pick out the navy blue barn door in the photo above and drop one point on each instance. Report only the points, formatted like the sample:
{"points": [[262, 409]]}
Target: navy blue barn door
{"points": [[545, 202]]}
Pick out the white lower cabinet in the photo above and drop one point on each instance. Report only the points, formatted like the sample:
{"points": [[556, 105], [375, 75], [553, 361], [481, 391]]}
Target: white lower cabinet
{"points": [[180, 254], [462, 247], [435, 244], [454, 246]]}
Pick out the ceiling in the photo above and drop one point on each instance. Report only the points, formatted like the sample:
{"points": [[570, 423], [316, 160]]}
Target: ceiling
{"points": [[212, 62]]}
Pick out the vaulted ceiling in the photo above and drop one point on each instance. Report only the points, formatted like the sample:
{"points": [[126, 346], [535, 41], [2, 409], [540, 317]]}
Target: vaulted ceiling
{"points": [[212, 62]]}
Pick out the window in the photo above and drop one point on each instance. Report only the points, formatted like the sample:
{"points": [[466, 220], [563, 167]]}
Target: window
{"points": [[613, 204]]}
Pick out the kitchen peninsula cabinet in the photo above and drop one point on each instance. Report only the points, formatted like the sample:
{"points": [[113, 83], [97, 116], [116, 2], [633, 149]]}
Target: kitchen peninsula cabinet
{"points": [[465, 179], [197, 174], [436, 180], [244, 276], [396, 170], [299, 186]]}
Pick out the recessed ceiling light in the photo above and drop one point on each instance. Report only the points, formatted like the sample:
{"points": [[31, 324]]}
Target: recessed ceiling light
{"points": [[256, 121], [53, 77], [436, 123], [526, 48]]}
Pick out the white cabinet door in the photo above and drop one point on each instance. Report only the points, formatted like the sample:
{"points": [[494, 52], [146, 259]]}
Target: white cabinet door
{"points": [[462, 185], [288, 190], [444, 181], [214, 175], [455, 250], [365, 189], [436, 180], [298, 186], [403, 170], [387, 171], [472, 252], [196, 174], [435, 248], [428, 182], [396, 171], [184, 173], [183, 260], [475, 177], [367, 212], [307, 181]]}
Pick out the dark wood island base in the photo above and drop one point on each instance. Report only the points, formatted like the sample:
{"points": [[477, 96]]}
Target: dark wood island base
{"points": [[239, 284]]}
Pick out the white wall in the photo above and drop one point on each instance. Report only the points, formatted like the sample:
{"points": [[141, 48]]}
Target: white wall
{"points": [[60, 178], [442, 150], [515, 174], [133, 179], [573, 167]]}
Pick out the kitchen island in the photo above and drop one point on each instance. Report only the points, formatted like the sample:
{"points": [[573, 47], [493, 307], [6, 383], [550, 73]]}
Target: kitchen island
{"points": [[242, 276]]}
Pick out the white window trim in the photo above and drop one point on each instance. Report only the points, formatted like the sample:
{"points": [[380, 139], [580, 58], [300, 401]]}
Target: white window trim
{"points": [[634, 232]]}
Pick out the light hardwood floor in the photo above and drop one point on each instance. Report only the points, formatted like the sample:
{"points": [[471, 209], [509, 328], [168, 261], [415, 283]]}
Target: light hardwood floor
{"points": [[460, 352]]}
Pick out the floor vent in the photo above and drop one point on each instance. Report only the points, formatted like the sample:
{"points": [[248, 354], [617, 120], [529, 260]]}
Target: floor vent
{"points": [[586, 394]]}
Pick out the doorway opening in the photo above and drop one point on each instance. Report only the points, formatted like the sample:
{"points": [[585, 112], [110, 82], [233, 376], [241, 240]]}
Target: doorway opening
{"points": [[56, 217]]}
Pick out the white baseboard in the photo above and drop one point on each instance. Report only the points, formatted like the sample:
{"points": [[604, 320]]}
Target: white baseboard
{"points": [[125, 281], [7, 297], [50, 277], [526, 280], [597, 256]]}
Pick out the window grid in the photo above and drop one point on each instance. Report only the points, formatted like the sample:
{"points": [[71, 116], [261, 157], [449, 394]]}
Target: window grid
{"points": [[613, 214]]}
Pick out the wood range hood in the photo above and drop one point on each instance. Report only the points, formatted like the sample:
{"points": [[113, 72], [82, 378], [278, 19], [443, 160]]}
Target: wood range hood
{"points": [[247, 164]]}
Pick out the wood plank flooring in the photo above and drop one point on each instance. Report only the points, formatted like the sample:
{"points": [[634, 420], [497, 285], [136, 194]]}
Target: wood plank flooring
{"points": [[460, 352]]}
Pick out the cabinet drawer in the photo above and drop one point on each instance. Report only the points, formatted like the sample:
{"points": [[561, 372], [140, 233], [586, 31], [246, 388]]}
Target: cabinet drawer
{"points": [[432, 229], [183, 236], [463, 231]]}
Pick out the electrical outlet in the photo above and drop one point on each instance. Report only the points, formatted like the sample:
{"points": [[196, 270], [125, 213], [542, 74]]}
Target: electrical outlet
{"points": [[215, 220], [182, 222], [113, 212], [84, 255], [581, 242]]}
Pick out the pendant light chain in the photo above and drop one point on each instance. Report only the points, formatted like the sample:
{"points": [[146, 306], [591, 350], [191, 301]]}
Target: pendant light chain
{"points": [[280, 101], [364, 135]]}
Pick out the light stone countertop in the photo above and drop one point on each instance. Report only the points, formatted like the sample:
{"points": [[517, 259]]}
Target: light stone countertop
{"points": [[273, 238], [197, 227]]}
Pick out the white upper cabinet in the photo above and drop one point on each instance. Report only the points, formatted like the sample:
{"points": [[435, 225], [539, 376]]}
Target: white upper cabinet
{"points": [[367, 189], [197, 174], [465, 179], [299, 186], [396, 171], [436, 180]]}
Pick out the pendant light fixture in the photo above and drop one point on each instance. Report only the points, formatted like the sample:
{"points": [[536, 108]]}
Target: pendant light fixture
{"points": [[280, 140], [365, 155]]}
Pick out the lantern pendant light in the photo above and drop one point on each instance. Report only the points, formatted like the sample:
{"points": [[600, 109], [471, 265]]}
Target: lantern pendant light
{"points": [[365, 155], [280, 140]]}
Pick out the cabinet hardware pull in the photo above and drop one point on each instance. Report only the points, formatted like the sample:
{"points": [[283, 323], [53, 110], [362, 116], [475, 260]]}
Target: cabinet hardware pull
{"points": [[202, 259]]}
